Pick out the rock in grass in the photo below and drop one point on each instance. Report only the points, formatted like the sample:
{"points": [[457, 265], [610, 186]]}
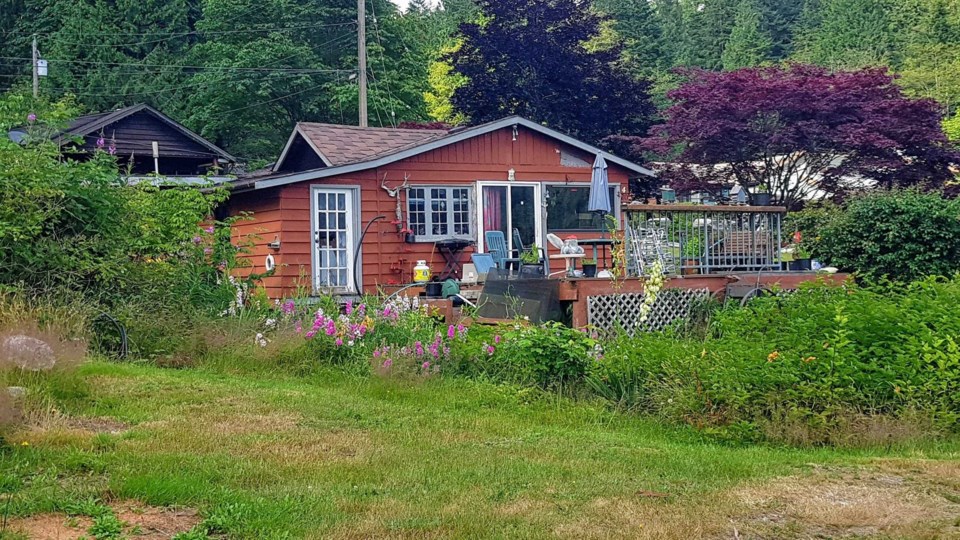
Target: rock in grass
{"points": [[17, 392], [27, 353]]}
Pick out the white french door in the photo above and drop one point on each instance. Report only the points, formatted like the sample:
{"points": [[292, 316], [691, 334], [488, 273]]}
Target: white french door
{"points": [[334, 241], [505, 206]]}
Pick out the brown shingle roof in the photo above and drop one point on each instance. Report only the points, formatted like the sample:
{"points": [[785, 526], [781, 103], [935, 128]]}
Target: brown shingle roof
{"points": [[341, 145]]}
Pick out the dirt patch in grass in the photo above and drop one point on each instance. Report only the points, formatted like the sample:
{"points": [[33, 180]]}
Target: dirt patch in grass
{"points": [[889, 499], [97, 425], [253, 424], [642, 518], [915, 499], [140, 522]]}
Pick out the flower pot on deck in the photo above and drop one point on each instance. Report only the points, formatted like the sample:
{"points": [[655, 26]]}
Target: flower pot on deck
{"points": [[801, 265], [589, 270], [691, 267]]}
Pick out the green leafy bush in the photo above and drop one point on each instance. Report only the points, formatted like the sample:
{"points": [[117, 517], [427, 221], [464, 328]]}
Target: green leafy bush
{"points": [[804, 367], [900, 235], [549, 356]]}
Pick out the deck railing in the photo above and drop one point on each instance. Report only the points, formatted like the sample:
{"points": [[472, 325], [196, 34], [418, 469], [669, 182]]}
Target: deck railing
{"points": [[689, 239]]}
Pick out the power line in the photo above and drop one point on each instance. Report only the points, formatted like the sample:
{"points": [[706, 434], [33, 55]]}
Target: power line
{"points": [[271, 100], [138, 64], [179, 34], [200, 33]]}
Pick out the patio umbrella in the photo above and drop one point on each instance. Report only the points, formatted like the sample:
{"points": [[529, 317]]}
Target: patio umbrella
{"points": [[599, 188]]}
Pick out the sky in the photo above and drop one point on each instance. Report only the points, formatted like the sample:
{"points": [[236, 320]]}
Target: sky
{"points": [[402, 3]]}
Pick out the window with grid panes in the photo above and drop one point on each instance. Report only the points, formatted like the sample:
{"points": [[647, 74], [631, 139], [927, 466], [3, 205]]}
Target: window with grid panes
{"points": [[439, 212]]}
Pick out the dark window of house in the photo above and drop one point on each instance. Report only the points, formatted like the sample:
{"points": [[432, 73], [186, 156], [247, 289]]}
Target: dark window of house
{"points": [[567, 209]]}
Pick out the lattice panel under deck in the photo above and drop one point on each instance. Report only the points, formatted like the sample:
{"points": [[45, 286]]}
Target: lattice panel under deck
{"points": [[610, 311]]}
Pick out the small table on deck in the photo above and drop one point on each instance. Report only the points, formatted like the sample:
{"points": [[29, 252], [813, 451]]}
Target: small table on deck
{"points": [[597, 242], [452, 249], [570, 261]]}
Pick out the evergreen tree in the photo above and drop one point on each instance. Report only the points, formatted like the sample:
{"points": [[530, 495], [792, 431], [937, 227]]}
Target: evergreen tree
{"points": [[929, 39], [673, 35], [780, 21], [849, 34], [748, 45], [635, 23], [709, 23]]}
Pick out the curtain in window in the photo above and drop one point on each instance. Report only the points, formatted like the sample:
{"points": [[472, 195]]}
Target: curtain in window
{"points": [[492, 209]]}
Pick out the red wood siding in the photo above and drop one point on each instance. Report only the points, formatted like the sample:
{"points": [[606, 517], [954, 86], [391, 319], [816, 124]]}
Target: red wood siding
{"points": [[386, 258]]}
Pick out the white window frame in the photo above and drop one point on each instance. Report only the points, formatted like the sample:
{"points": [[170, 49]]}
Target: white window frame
{"points": [[428, 212]]}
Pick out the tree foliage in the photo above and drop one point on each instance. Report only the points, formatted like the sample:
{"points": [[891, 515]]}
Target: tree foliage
{"points": [[529, 58], [901, 236], [749, 45], [68, 224], [802, 132]]}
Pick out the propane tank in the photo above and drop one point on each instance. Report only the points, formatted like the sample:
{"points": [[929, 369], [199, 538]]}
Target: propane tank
{"points": [[421, 272]]}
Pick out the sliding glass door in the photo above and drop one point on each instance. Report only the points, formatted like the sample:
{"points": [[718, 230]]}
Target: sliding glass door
{"points": [[509, 206]]}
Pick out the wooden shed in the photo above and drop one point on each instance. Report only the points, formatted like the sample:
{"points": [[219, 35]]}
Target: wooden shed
{"points": [[349, 210], [145, 141]]}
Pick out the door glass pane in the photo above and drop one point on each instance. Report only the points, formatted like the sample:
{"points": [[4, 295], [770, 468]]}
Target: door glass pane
{"points": [[523, 215], [495, 210]]}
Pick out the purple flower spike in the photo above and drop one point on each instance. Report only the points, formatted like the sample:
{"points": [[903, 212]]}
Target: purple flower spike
{"points": [[112, 150], [31, 118], [101, 142], [197, 239]]}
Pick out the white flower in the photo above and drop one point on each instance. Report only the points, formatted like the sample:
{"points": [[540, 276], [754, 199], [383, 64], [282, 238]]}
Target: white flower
{"points": [[261, 340], [270, 323]]}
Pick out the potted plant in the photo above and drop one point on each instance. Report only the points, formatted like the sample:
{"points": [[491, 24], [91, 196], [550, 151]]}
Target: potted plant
{"points": [[801, 260], [530, 263], [589, 268], [761, 196], [691, 253]]}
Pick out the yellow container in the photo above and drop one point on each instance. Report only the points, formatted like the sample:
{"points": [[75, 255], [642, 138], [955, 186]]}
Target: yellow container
{"points": [[421, 272]]}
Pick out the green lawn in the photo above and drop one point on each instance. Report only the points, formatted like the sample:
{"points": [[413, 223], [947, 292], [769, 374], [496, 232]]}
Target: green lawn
{"points": [[347, 456]]}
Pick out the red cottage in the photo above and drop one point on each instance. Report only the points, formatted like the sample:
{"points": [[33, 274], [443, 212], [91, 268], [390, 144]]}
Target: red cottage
{"points": [[348, 209]]}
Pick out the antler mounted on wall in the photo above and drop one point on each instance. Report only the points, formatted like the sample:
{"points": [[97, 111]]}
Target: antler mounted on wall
{"points": [[395, 193]]}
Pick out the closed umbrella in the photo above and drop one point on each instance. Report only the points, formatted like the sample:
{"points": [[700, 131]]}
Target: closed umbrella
{"points": [[599, 187]]}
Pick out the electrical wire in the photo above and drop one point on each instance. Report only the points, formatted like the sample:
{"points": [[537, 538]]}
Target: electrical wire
{"points": [[138, 64], [199, 33]]}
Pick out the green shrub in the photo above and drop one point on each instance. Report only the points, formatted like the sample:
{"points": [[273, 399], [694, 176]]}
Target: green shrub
{"points": [[812, 364], [899, 235], [549, 356]]}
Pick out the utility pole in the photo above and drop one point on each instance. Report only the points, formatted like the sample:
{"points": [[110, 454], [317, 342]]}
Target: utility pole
{"points": [[362, 54], [36, 73]]}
